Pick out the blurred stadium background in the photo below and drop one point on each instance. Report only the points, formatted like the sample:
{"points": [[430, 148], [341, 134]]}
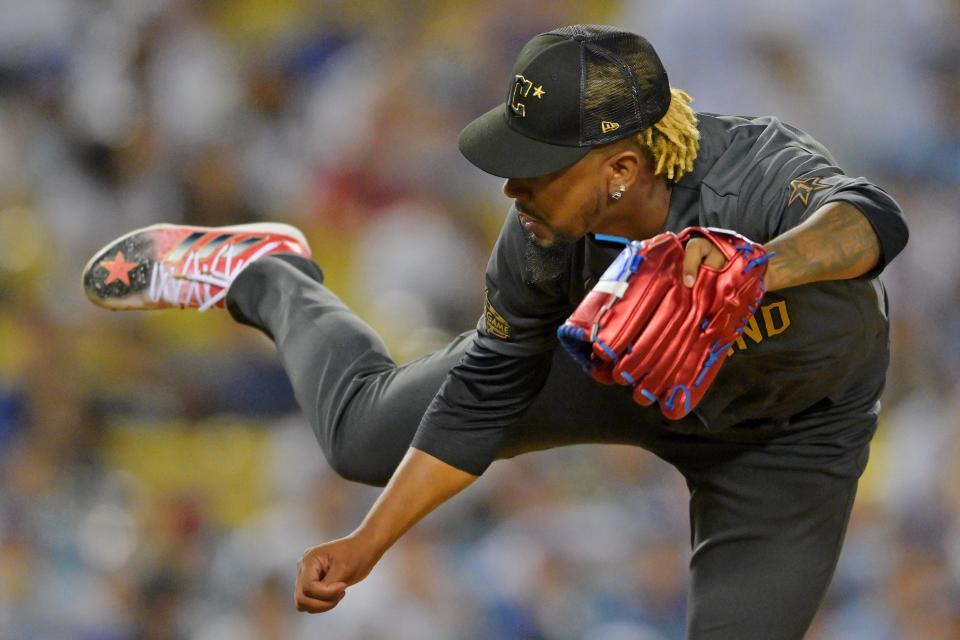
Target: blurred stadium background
{"points": [[157, 479]]}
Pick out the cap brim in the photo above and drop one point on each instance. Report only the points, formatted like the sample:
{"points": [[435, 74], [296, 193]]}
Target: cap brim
{"points": [[492, 146]]}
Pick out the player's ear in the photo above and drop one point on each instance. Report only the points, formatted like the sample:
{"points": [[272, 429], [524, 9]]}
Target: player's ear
{"points": [[625, 166]]}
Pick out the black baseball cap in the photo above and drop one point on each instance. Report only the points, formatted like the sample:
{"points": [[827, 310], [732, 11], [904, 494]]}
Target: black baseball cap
{"points": [[571, 89]]}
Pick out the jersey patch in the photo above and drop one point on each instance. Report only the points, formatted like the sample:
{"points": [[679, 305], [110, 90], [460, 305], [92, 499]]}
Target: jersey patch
{"points": [[496, 324], [801, 189]]}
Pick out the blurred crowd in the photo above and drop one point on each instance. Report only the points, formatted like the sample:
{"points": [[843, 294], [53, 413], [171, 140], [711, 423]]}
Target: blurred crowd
{"points": [[156, 478]]}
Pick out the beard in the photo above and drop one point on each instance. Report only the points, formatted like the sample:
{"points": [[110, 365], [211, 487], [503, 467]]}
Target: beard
{"points": [[546, 263]]}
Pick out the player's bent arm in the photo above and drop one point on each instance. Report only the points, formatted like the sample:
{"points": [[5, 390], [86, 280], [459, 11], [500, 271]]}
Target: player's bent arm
{"points": [[836, 242], [419, 485]]}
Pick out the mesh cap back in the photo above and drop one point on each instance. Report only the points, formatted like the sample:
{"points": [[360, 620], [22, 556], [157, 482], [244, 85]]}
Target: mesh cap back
{"points": [[624, 87]]}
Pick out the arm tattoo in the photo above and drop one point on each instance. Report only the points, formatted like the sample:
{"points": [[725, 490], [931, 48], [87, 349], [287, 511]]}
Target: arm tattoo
{"points": [[835, 243]]}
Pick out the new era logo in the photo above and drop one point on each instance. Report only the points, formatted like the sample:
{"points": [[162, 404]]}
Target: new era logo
{"points": [[607, 126]]}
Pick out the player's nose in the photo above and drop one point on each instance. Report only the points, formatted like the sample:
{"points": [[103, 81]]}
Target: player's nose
{"points": [[515, 188]]}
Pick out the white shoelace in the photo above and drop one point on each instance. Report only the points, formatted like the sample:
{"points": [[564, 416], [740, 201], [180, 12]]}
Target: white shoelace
{"points": [[167, 285]]}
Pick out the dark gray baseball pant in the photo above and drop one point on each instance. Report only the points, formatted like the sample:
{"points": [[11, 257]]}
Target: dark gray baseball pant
{"points": [[767, 515]]}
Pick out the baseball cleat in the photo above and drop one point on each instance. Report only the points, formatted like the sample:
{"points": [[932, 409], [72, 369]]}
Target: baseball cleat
{"points": [[168, 265]]}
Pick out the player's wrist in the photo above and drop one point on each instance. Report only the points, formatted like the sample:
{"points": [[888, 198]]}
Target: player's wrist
{"points": [[770, 280], [372, 540]]}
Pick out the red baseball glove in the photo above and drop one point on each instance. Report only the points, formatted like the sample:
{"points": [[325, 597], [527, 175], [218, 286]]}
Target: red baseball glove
{"points": [[641, 326]]}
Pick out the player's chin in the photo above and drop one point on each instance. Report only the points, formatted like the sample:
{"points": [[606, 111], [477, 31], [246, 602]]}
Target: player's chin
{"points": [[550, 238], [543, 239]]}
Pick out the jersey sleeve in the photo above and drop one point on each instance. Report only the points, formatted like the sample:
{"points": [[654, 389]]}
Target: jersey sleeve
{"points": [[787, 186], [481, 398], [506, 365]]}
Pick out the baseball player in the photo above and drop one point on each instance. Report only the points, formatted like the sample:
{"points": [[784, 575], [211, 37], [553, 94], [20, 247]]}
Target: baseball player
{"points": [[594, 143]]}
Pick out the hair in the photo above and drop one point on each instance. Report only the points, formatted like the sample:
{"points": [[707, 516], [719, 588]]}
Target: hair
{"points": [[673, 142]]}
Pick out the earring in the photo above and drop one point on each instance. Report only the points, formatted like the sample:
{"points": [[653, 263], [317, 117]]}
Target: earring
{"points": [[616, 195]]}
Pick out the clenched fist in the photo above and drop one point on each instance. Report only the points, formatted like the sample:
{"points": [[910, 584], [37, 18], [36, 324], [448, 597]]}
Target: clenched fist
{"points": [[325, 571]]}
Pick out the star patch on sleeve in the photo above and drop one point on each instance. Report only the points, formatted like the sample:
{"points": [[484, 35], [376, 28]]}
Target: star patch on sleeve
{"points": [[802, 188]]}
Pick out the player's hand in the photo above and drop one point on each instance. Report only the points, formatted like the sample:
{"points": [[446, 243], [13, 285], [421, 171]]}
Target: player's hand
{"points": [[325, 571], [700, 251]]}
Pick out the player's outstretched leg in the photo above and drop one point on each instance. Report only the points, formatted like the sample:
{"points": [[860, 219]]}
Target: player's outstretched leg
{"points": [[364, 410]]}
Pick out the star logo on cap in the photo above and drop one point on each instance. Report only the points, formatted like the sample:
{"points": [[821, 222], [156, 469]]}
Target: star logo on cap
{"points": [[802, 188], [538, 92], [118, 269]]}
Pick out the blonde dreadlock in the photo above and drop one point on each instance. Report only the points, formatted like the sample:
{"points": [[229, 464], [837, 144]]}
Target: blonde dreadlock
{"points": [[673, 142]]}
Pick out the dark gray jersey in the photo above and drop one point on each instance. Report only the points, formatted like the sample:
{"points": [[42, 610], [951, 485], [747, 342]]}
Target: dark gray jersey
{"points": [[805, 346]]}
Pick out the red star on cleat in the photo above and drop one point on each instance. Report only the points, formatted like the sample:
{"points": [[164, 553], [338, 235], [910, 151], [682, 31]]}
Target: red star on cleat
{"points": [[119, 269]]}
